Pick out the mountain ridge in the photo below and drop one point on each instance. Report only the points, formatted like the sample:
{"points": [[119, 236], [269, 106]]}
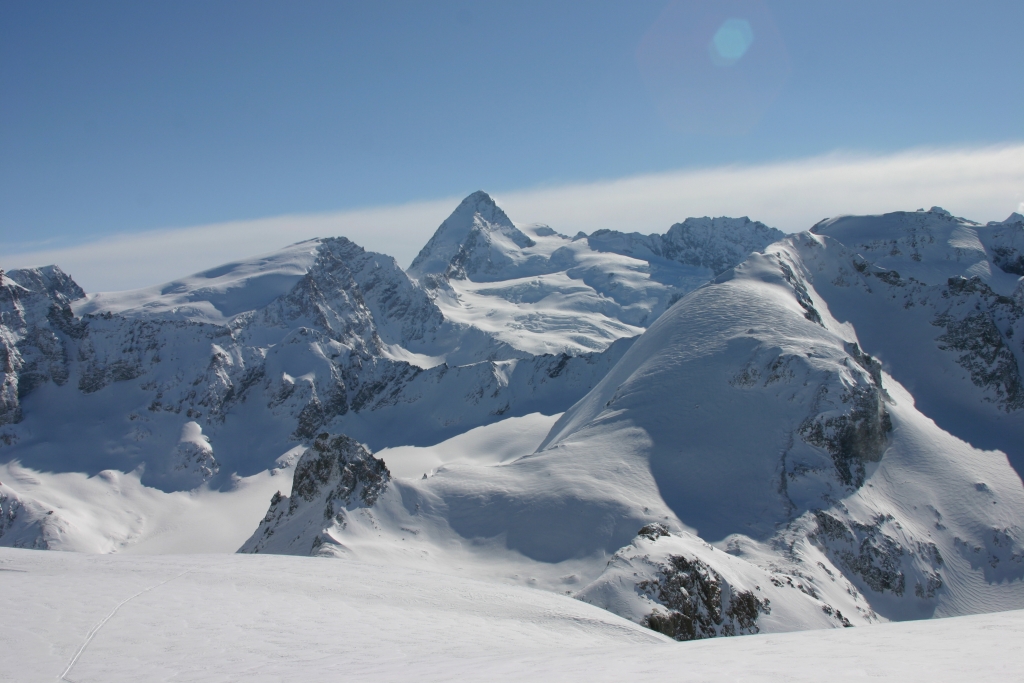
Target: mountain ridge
{"points": [[760, 432]]}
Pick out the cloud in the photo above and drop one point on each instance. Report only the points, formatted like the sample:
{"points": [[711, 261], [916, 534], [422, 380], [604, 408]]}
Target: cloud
{"points": [[978, 183], [132, 260]]}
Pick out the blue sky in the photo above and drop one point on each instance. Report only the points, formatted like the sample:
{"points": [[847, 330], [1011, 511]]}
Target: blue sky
{"points": [[123, 117]]}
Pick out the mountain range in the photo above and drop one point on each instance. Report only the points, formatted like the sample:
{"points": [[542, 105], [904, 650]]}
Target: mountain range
{"points": [[719, 430]]}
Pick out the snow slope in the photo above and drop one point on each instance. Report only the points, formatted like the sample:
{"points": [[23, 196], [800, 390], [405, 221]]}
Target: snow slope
{"points": [[213, 618], [113, 512]]}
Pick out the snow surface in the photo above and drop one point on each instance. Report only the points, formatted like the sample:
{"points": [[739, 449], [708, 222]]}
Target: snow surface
{"points": [[493, 444], [214, 618], [216, 295], [112, 512]]}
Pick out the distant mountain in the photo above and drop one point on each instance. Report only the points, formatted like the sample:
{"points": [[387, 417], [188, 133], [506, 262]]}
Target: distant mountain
{"points": [[543, 292]]}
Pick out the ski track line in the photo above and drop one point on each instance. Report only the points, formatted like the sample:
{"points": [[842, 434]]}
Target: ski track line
{"points": [[95, 629]]}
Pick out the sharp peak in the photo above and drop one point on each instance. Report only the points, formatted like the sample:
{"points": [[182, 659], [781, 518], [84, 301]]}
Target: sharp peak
{"points": [[453, 232], [479, 203], [477, 197]]}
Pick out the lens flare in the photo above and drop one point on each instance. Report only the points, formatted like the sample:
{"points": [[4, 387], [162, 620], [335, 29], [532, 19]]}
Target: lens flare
{"points": [[731, 41], [704, 70]]}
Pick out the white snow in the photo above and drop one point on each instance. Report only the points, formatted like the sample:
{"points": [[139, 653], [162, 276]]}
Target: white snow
{"points": [[120, 619], [112, 512], [493, 444], [215, 295]]}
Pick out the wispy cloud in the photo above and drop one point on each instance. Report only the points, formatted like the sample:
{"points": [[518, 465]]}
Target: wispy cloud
{"points": [[978, 183]]}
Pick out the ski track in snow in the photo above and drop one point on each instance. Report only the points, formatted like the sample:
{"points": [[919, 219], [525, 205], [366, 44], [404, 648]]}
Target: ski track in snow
{"points": [[274, 618], [96, 629]]}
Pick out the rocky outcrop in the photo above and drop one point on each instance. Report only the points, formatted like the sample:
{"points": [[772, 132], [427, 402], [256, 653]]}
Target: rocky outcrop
{"points": [[698, 603], [973, 319], [193, 461], [336, 477], [36, 324], [853, 431]]}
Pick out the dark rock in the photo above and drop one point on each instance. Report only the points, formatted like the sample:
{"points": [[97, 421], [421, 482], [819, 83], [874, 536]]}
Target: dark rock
{"points": [[700, 604]]}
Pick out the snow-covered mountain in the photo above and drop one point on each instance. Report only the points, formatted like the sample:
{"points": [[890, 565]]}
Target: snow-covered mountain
{"points": [[218, 375], [761, 432], [543, 292], [749, 464]]}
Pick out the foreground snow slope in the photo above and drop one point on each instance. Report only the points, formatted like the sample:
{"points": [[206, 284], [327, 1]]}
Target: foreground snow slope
{"points": [[121, 619]]}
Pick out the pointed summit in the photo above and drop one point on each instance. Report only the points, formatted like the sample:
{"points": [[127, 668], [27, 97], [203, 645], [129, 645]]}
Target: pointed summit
{"points": [[476, 212]]}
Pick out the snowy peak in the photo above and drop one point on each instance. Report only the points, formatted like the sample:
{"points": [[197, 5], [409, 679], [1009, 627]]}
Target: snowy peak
{"points": [[713, 243], [477, 231], [717, 243], [57, 284], [932, 246]]}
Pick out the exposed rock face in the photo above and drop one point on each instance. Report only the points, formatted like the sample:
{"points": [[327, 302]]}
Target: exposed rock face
{"points": [[343, 463], [335, 477], [36, 323], [699, 603], [676, 584], [881, 554], [972, 320], [853, 432]]}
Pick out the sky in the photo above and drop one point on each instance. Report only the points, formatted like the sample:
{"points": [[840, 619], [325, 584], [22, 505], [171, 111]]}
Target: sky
{"points": [[228, 128]]}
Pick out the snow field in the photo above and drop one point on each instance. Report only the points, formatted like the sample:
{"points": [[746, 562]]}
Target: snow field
{"points": [[276, 618]]}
